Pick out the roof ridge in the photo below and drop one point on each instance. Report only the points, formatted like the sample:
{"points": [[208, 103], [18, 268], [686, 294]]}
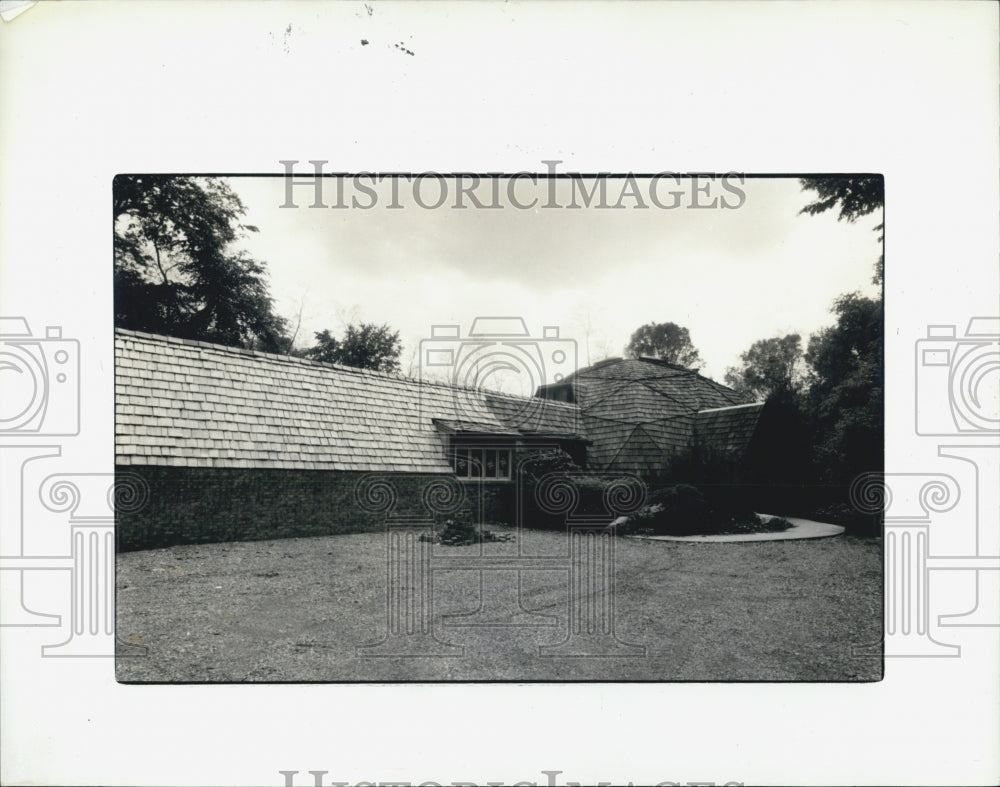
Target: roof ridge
{"points": [[730, 407], [292, 359]]}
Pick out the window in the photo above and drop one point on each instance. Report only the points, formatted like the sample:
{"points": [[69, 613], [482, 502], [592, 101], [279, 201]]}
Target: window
{"points": [[492, 464]]}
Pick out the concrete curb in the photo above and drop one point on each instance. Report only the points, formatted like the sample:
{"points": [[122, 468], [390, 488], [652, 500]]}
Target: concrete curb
{"points": [[801, 528]]}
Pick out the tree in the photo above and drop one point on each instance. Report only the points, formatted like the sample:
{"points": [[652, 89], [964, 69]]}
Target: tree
{"points": [[770, 365], [365, 346], [326, 349], [855, 195], [175, 269], [846, 390], [666, 341]]}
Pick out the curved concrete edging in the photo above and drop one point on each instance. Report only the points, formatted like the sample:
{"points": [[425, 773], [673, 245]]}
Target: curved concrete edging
{"points": [[801, 528]]}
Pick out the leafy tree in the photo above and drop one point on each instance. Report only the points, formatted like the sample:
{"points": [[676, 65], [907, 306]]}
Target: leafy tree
{"points": [[365, 346], [855, 195], [175, 270], [666, 341], [770, 365], [846, 390]]}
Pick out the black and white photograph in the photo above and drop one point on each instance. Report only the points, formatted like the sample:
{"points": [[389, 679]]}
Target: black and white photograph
{"points": [[499, 392], [498, 428]]}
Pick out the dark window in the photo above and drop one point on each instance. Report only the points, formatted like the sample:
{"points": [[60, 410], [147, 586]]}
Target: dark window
{"points": [[503, 464], [489, 463]]}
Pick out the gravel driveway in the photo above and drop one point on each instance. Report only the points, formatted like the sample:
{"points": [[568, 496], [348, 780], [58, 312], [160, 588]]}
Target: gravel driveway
{"points": [[297, 610]]}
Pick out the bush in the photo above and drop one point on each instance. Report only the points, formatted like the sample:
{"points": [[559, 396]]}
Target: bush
{"points": [[540, 464], [676, 510], [853, 521], [530, 474], [683, 510], [754, 523], [461, 532]]}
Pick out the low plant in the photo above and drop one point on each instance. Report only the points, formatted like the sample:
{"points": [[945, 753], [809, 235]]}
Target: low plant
{"points": [[684, 510], [461, 532]]}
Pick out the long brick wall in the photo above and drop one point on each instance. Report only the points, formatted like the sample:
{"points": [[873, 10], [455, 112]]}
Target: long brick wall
{"points": [[183, 505]]}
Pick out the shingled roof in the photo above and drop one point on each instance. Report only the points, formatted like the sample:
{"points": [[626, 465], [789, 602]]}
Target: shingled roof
{"points": [[640, 412], [727, 430], [194, 404]]}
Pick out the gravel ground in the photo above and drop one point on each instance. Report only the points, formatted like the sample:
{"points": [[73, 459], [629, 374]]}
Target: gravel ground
{"points": [[297, 610]]}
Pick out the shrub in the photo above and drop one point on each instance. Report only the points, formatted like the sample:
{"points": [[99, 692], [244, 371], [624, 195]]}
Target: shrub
{"points": [[853, 521], [683, 510], [541, 463], [676, 510], [754, 523], [461, 532]]}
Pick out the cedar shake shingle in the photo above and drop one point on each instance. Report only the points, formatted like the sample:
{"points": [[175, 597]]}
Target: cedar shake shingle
{"points": [[195, 404], [217, 406], [638, 413]]}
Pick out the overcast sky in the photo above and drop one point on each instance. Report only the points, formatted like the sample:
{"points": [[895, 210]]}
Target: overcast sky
{"points": [[731, 276]]}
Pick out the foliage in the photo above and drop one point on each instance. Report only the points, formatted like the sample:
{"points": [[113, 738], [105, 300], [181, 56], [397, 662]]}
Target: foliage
{"points": [[684, 510], [175, 271], [844, 402], [590, 490], [461, 532], [365, 346], [855, 522], [542, 463], [769, 366], [778, 466], [667, 341], [758, 524], [855, 195], [846, 396]]}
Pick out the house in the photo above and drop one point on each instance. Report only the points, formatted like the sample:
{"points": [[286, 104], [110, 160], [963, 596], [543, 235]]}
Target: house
{"points": [[233, 444], [641, 413]]}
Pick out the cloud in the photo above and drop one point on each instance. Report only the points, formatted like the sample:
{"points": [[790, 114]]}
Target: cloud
{"points": [[731, 276]]}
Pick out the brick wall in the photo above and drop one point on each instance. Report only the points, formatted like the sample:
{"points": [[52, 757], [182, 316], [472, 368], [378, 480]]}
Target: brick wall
{"points": [[201, 505]]}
